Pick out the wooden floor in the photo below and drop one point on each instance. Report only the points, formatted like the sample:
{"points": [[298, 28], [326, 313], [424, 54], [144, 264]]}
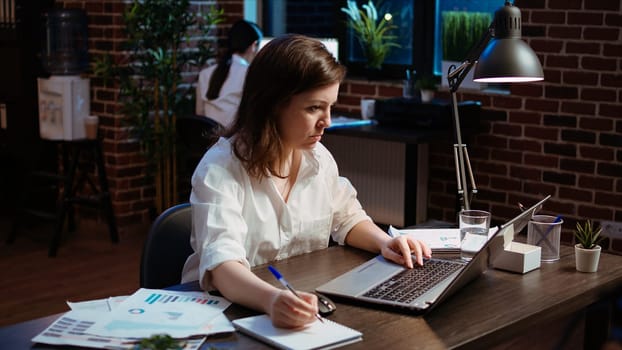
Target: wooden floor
{"points": [[87, 266]]}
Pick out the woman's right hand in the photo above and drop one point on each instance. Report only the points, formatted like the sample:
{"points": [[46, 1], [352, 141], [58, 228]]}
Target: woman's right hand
{"points": [[289, 311]]}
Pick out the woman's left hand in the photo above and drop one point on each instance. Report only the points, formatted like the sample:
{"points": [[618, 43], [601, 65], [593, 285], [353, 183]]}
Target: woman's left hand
{"points": [[400, 249]]}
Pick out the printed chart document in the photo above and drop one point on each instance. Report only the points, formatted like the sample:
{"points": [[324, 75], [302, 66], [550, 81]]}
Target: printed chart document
{"points": [[190, 315], [317, 335], [152, 311], [73, 328]]}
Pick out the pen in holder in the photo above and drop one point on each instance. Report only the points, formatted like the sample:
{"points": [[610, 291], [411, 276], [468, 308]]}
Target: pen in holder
{"points": [[408, 84]]}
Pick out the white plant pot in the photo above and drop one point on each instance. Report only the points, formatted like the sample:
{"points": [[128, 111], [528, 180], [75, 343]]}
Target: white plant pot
{"points": [[587, 259], [427, 95]]}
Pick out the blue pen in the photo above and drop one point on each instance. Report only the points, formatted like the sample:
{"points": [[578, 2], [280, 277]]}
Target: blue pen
{"points": [[280, 278]]}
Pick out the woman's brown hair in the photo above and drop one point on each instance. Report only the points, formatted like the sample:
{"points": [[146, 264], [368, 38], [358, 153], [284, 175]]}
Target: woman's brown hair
{"points": [[288, 65]]}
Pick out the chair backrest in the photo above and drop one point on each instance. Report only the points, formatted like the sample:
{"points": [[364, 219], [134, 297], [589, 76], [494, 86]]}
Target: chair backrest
{"points": [[197, 133], [167, 247]]}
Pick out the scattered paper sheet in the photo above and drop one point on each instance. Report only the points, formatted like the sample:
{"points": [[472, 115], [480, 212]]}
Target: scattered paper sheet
{"points": [[438, 239], [106, 304], [73, 327], [189, 316], [152, 311]]}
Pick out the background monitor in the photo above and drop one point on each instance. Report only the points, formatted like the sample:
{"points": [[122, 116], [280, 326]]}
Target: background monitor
{"points": [[332, 44]]}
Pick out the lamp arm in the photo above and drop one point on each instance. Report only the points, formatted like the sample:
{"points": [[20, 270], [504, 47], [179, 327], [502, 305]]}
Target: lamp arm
{"points": [[456, 75]]}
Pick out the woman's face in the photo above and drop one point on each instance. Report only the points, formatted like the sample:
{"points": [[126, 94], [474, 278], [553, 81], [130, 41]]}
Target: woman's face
{"points": [[302, 121]]}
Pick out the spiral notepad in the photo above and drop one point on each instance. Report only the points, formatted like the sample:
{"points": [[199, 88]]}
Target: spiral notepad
{"points": [[316, 335]]}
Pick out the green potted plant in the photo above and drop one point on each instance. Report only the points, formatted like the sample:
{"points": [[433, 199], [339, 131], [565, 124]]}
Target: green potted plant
{"points": [[159, 342], [587, 250], [427, 86], [150, 77], [372, 33]]}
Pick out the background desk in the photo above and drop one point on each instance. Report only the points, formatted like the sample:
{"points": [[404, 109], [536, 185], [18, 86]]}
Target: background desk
{"points": [[388, 166], [492, 310]]}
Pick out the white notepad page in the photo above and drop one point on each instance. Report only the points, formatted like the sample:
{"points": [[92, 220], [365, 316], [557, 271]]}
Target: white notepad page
{"points": [[316, 335]]}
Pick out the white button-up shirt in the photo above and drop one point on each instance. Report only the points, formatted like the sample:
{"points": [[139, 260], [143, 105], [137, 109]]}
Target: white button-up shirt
{"points": [[237, 217], [223, 108]]}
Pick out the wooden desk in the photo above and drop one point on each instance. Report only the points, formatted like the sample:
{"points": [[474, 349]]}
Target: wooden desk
{"points": [[388, 166], [492, 310]]}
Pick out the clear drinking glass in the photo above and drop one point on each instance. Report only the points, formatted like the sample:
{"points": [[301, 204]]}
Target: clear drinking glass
{"points": [[474, 227]]}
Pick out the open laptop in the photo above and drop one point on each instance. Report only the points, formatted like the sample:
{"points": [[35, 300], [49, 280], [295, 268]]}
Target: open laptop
{"points": [[420, 289]]}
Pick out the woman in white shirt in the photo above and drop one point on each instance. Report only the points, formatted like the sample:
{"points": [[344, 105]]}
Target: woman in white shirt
{"points": [[219, 88], [269, 190]]}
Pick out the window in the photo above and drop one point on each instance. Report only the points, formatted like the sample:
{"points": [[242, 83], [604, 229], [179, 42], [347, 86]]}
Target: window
{"points": [[419, 29]]}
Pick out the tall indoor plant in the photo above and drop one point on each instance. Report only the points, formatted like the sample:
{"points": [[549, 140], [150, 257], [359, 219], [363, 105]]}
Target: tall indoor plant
{"points": [[372, 33], [152, 90]]}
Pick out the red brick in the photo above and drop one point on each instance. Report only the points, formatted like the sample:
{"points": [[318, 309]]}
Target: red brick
{"points": [[541, 105], [601, 34], [606, 5], [585, 18], [595, 183], [599, 64], [610, 110], [595, 152], [562, 61], [605, 95], [546, 45], [548, 17], [564, 32], [583, 47], [578, 107]]}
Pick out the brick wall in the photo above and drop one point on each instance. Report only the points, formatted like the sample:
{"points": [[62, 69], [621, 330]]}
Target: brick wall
{"points": [[561, 137], [132, 195]]}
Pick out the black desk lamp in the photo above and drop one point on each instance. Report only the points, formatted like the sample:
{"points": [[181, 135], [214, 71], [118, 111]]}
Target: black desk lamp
{"points": [[502, 57]]}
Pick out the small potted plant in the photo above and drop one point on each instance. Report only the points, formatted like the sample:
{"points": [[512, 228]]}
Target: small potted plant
{"points": [[587, 250], [427, 86]]}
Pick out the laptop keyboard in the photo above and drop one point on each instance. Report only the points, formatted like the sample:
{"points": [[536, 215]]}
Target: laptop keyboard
{"points": [[409, 284]]}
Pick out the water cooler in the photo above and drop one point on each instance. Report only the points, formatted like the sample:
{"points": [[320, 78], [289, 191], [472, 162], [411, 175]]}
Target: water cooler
{"points": [[64, 97]]}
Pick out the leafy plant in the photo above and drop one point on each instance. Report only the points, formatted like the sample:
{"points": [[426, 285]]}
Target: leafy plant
{"points": [[426, 83], [372, 33], [152, 90], [587, 235], [159, 342], [460, 31]]}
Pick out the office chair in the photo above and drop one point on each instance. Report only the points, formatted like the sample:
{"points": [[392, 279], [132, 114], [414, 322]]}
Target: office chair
{"points": [[195, 134], [166, 248]]}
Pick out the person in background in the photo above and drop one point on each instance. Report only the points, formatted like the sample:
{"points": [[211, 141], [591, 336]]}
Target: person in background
{"points": [[219, 86], [268, 189]]}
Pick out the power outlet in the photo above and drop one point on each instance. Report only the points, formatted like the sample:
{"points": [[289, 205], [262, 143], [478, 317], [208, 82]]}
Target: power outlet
{"points": [[612, 229]]}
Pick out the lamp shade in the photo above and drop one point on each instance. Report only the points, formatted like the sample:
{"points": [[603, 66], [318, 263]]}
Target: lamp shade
{"points": [[507, 61], [507, 58]]}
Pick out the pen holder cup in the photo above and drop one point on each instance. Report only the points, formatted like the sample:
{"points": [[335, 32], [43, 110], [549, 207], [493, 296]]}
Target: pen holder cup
{"points": [[545, 232]]}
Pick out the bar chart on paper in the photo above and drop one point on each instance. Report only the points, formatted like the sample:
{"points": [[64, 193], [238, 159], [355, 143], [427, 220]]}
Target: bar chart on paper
{"points": [[149, 311], [172, 298]]}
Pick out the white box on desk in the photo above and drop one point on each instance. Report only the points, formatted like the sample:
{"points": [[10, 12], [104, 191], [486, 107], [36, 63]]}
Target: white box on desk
{"points": [[517, 257]]}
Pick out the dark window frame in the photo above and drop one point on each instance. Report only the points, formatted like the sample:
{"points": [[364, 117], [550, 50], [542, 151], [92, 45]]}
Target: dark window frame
{"points": [[422, 45]]}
